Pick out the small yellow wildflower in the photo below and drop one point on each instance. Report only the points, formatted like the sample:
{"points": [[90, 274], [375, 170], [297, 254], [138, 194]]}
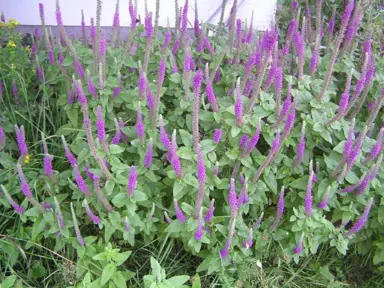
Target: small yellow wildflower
{"points": [[27, 159], [12, 66], [12, 23], [28, 49], [11, 44]]}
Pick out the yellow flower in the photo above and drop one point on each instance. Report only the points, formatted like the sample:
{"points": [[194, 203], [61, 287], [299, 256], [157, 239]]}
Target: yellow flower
{"points": [[12, 66], [11, 44], [28, 49], [27, 159]]}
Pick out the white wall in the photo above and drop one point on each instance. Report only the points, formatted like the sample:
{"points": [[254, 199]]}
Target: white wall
{"points": [[27, 11]]}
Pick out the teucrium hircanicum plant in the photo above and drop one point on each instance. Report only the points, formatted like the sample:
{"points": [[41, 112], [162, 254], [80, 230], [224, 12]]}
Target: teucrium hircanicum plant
{"points": [[216, 162]]}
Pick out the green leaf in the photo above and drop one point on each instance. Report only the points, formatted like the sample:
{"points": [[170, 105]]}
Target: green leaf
{"points": [[8, 282], [122, 257], [156, 269], [107, 273], [178, 187], [73, 116], [68, 60], [128, 61], [109, 185], [151, 176], [175, 227], [300, 183], [186, 138], [270, 180], [175, 78], [119, 280], [178, 281], [196, 281], [116, 149]]}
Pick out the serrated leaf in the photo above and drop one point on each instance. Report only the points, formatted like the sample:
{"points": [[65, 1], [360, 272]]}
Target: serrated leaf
{"points": [[107, 273], [178, 281], [116, 149]]}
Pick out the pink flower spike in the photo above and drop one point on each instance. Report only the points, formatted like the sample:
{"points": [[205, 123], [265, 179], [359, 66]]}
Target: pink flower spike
{"points": [[132, 181], [91, 215], [179, 213]]}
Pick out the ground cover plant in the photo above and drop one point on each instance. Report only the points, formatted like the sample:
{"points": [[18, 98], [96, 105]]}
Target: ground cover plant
{"points": [[253, 157]]}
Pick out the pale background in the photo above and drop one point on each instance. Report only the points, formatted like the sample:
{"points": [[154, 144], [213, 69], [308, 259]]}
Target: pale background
{"points": [[27, 11]]}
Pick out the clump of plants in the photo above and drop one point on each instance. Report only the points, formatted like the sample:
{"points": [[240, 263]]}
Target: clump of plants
{"points": [[236, 144]]}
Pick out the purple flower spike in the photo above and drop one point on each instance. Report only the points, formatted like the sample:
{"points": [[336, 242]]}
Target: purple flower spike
{"points": [[174, 158], [238, 106], [92, 30], [175, 47], [225, 251], [286, 104], [14, 91], [167, 218], [116, 19], [163, 135], [76, 226], [279, 211], [148, 26], [20, 138], [249, 242], [91, 215], [216, 169], [370, 106], [324, 202], [161, 71], [254, 139], [24, 185], [243, 142], [140, 125], [294, 5], [308, 196], [200, 166], [258, 221], [132, 181], [89, 174], [359, 224], [68, 154], [127, 226], [83, 187], [377, 148], [197, 80], [299, 248], [103, 48], [210, 93], [243, 197], [232, 197], [132, 13], [141, 85], [78, 67], [2, 138], [217, 135], [18, 209], [80, 93], [199, 229], [300, 147], [100, 125], [179, 213], [148, 155], [347, 12], [208, 217], [269, 41], [275, 143], [47, 163], [91, 86], [150, 99]]}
